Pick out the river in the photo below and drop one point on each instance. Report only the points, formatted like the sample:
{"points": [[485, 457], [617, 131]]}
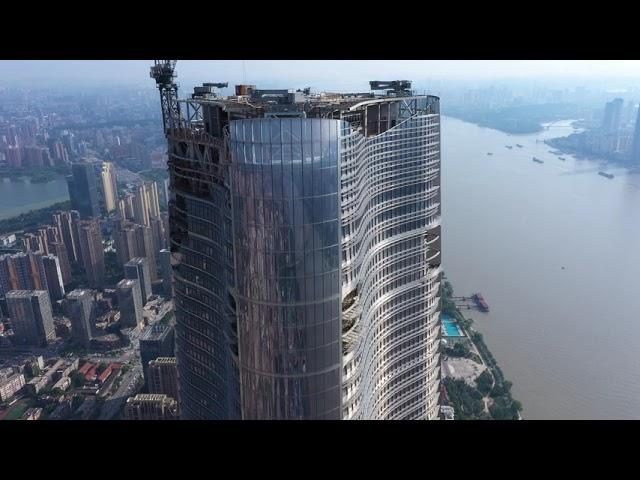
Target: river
{"points": [[20, 197], [568, 338]]}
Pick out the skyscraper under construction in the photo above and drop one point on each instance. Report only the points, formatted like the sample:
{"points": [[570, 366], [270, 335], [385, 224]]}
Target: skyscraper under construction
{"points": [[305, 245]]}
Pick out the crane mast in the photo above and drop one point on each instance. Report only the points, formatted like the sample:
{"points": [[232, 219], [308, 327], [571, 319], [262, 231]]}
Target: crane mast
{"points": [[164, 73]]}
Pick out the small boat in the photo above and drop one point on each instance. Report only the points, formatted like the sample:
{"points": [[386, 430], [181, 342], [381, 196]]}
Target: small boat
{"points": [[489, 153], [509, 147], [537, 160], [561, 158], [480, 302], [518, 145], [608, 175]]}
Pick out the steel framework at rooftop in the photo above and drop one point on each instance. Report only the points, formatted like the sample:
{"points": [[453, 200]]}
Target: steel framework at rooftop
{"points": [[163, 71]]}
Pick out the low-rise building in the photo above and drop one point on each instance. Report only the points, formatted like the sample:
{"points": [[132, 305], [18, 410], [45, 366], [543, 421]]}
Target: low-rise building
{"points": [[447, 412], [63, 384], [11, 385], [37, 384]]}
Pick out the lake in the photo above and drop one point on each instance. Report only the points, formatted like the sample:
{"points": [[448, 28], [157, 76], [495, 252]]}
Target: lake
{"points": [[568, 338], [20, 197]]}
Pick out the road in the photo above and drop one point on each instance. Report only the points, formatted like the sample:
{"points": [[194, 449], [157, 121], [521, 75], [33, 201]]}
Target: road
{"points": [[131, 383]]}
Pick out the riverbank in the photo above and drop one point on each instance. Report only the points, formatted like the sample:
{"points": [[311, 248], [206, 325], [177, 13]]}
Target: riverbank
{"points": [[474, 384], [515, 120], [32, 219]]}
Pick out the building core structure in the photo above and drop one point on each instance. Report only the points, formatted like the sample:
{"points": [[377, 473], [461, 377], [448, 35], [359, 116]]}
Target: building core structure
{"points": [[305, 251]]}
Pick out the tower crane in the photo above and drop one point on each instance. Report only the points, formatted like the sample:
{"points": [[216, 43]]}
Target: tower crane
{"points": [[164, 73]]}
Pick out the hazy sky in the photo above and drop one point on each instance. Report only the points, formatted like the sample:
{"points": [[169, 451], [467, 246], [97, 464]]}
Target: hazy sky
{"points": [[341, 73]]}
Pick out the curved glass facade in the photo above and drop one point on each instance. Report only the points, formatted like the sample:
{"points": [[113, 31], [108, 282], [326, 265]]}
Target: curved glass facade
{"points": [[306, 257], [286, 233], [390, 186], [201, 251]]}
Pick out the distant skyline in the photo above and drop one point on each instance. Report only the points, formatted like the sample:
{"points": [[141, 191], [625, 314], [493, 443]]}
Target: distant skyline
{"points": [[342, 74]]}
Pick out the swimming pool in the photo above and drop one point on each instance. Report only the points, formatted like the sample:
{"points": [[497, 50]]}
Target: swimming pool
{"points": [[450, 328]]}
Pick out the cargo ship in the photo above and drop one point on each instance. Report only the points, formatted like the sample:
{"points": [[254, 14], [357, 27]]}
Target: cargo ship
{"points": [[608, 175], [537, 160], [561, 158], [482, 305], [509, 147]]}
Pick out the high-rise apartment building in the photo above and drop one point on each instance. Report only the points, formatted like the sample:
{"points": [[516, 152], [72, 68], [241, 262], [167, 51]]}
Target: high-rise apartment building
{"points": [[163, 376], [151, 406], [53, 273], [22, 271], [31, 317], [60, 251], [132, 240], [130, 303], [91, 251], [66, 223], [635, 148], [612, 116], [83, 190], [80, 308], [125, 207], [109, 186], [146, 204], [305, 239], [138, 269]]}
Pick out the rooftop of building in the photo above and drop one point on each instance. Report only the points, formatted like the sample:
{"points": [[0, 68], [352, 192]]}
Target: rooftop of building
{"points": [[126, 283], [25, 293], [137, 261], [163, 361], [154, 332], [251, 101], [150, 398], [78, 293]]}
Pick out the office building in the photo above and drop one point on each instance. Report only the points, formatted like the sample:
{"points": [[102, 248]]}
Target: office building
{"points": [[91, 251], [80, 308], [109, 186], [53, 273], [151, 406], [329, 207], [31, 317], [83, 190], [155, 341], [165, 270], [130, 303], [163, 376], [138, 269]]}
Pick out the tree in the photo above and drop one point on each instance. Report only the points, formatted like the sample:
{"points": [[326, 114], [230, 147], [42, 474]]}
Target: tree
{"points": [[484, 382], [78, 379]]}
